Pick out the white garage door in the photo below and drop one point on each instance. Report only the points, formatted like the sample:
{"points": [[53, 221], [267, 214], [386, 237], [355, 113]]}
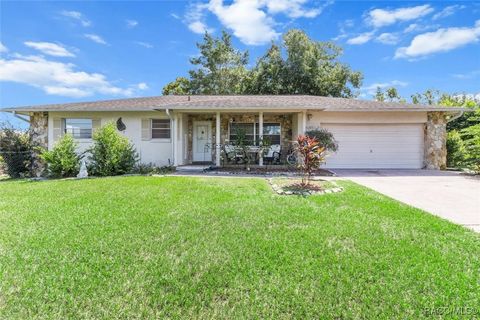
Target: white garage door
{"points": [[378, 146]]}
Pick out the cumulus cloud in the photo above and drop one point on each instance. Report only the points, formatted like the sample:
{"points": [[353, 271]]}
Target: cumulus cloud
{"points": [[144, 44], [49, 48], [361, 39], [58, 78], [382, 17], [3, 48], [252, 21], [388, 38], [95, 38], [142, 86], [78, 16], [448, 11], [442, 40], [131, 23], [371, 89]]}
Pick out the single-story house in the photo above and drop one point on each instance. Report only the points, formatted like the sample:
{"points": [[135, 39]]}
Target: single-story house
{"points": [[187, 129]]}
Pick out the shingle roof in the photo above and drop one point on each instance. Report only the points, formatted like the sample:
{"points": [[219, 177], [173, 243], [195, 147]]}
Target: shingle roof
{"points": [[239, 102]]}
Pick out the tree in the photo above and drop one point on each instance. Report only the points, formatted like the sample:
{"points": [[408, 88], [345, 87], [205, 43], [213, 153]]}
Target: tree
{"points": [[299, 65], [390, 94], [379, 95]]}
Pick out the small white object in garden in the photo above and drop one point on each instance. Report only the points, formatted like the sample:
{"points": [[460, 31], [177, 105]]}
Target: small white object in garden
{"points": [[83, 171]]}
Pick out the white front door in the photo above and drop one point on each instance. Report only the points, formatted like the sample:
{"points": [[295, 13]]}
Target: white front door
{"points": [[202, 141]]}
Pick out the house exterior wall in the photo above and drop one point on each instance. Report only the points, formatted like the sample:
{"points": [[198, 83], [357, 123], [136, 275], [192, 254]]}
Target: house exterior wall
{"points": [[156, 151]]}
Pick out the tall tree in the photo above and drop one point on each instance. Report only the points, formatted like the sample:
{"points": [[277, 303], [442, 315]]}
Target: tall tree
{"points": [[268, 75], [220, 68]]}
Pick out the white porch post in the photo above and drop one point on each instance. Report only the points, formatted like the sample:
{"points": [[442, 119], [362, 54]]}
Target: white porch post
{"points": [[174, 140], [260, 135], [304, 122], [217, 140]]}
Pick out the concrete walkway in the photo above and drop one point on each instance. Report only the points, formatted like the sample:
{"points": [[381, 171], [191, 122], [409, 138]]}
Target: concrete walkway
{"points": [[449, 195]]}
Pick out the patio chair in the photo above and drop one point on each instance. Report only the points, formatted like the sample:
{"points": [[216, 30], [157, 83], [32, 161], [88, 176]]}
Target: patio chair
{"points": [[272, 156], [232, 155]]}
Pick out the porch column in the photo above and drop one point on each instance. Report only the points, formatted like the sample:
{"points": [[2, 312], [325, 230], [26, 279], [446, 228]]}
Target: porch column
{"points": [[304, 122], [174, 140], [260, 135], [217, 140]]}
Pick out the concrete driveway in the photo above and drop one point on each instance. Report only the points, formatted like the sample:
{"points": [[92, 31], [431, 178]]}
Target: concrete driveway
{"points": [[449, 195]]}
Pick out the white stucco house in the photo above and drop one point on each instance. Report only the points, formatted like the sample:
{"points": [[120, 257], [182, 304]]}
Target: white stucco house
{"points": [[187, 129]]}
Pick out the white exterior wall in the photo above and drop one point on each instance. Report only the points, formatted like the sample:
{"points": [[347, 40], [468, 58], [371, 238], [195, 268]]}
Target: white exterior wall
{"points": [[317, 118], [156, 151]]}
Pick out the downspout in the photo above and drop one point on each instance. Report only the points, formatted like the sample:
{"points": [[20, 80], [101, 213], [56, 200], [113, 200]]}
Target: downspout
{"points": [[20, 117], [172, 134], [460, 113]]}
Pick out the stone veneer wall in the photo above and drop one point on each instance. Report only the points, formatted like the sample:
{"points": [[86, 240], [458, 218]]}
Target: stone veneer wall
{"points": [[436, 141], [284, 120], [39, 137]]}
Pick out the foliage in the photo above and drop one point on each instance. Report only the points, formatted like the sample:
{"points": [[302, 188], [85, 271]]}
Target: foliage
{"points": [[455, 149], [471, 139], [63, 160], [111, 153], [16, 151], [150, 168], [390, 94], [299, 65], [325, 138], [311, 156]]}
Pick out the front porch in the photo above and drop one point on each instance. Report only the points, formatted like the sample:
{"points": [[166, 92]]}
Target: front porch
{"points": [[224, 138]]}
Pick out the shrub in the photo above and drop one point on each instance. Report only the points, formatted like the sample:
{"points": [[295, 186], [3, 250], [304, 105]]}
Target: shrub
{"points": [[311, 156], [150, 168], [471, 139], [325, 138], [455, 149], [62, 160], [16, 152], [111, 153]]}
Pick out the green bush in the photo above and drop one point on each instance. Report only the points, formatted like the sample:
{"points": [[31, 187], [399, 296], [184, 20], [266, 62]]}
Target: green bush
{"points": [[62, 160], [455, 150], [16, 152], [150, 168], [325, 138], [471, 139], [111, 154]]}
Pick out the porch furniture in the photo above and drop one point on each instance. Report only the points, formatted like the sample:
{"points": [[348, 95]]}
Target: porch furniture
{"points": [[272, 155], [232, 154]]}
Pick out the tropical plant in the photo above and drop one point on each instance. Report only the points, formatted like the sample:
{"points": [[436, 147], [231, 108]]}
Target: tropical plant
{"points": [[111, 153], [63, 160], [325, 138], [311, 156]]}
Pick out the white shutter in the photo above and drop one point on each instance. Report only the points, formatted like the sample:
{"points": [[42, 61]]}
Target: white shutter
{"points": [[146, 129], [58, 129]]}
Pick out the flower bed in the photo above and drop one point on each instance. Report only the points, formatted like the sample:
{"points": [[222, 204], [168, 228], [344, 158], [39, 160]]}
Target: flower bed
{"points": [[294, 186]]}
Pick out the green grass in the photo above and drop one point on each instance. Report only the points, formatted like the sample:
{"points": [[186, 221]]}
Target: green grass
{"points": [[180, 247]]}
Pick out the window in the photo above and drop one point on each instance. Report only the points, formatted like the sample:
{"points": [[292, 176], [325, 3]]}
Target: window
{"points": [[160, 129], [271, 131], [79, 128]]}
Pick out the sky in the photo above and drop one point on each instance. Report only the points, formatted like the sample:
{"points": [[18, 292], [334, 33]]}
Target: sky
{"points": [[57, 52]]}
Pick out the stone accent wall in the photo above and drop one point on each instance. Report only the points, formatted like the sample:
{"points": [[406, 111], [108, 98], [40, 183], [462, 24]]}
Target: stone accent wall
{"points": [[436, 141], [39, 137], [285, 121]]}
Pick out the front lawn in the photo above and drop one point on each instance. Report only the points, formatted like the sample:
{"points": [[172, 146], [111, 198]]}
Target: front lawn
{"points": [[181, 247]]}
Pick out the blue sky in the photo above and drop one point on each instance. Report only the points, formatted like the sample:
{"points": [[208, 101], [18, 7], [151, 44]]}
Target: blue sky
{"points": [[53, 52]]}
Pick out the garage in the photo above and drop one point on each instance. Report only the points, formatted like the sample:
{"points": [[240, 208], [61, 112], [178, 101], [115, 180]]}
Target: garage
{"points": [[375, 146]]}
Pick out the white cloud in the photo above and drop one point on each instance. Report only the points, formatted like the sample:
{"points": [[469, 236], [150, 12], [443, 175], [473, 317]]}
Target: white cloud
{"points": [[95, 38], [381, 17], [371, 89], [131, 23], [448, 11], [442, 40], [77, 16], [361, 39], [415, 27], [50, 48], [57, 78], [174, 15], [144, 44], [468, 75], [3, 48], [142, 86], [252, 21], [388, 38], [247, 21]]}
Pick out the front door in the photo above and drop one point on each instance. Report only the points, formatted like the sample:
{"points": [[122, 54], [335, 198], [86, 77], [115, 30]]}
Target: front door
{"points": [[202, 141]]}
